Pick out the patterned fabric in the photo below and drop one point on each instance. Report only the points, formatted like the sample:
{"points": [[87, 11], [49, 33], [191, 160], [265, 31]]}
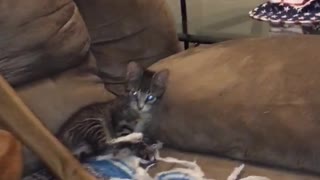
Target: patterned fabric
{"points": [[101, 169], [127, 168], [114, 169], [294, 3], [107, 169], [288, 14]]}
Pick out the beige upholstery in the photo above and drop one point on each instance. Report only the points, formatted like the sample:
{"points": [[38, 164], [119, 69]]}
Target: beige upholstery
{"points": [[56, 98], [128, 30], [40, 37], [253, 99], [220, 168]]}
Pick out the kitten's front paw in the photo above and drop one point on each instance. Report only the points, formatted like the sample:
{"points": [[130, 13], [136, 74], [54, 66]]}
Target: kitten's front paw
{"points": [[132, 138], [135, 137]]}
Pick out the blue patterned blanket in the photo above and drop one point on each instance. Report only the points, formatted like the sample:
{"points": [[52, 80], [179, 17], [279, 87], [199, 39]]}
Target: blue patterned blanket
{"points": [[117, 169], [125, 167]]}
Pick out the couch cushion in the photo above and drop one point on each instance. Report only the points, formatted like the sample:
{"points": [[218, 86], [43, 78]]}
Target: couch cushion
{"points": [[220, 168], [55, 99], [128, 30], [253, 99], [40, 37]]}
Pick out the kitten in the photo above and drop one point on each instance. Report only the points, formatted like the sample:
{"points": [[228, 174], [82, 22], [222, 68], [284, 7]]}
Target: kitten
{"points": [[95, 125], [145, 89]]}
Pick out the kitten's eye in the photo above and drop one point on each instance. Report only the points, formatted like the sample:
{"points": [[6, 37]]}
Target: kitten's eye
{"points": [[134, 93], [151, 98]]}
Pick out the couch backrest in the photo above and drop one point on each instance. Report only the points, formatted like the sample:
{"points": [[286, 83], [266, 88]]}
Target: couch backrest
{"points": [[128, 30], [40, 38]]}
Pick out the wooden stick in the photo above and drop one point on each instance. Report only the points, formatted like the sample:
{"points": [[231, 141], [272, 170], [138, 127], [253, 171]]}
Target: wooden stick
{"points": [[16, 116]]}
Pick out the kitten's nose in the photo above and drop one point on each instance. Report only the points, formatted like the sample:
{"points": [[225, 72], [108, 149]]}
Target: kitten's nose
{"points": [[140, 105]]}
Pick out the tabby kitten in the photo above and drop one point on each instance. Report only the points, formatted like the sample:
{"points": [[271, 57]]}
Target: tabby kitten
{"points": [[95, 125], [145, 89]]}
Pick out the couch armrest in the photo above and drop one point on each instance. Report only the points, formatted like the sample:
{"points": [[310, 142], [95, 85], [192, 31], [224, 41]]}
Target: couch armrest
{"points": [[252, 99]]}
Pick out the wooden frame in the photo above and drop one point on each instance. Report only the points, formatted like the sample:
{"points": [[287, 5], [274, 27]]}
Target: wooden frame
{"points": [[19, 120]]}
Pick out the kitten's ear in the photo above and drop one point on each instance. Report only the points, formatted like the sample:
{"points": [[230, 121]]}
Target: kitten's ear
{"points": [[134, 71], [161, 78]]}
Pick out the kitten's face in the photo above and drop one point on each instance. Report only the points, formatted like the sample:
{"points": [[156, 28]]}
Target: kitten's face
{"points": [[142, 101], [145, 87]]}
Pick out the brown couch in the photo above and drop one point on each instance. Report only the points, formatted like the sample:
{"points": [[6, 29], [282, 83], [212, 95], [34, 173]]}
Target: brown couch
{"points": [[246, 99]]}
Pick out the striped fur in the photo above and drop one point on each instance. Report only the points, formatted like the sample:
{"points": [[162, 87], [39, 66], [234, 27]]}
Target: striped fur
{"points": [[95, 125]]}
